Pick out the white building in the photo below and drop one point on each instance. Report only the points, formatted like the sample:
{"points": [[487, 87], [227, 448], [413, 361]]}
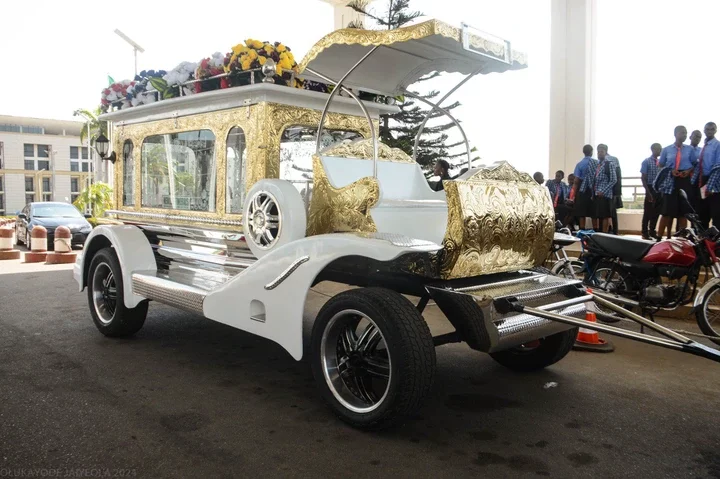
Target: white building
{"points": [[40, 160]]}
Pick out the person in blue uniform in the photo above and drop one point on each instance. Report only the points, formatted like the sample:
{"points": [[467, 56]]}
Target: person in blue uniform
{"points": [[680, 159], [708, 157], [581, 190], [603, 177], [651, 208], [559, 192]]}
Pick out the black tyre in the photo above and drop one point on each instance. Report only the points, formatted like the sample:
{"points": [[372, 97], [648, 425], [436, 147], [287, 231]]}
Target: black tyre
{"points": [[538, 354], [612, 278], [572, 269], [708, 314], [372, 356], [105, 297]]}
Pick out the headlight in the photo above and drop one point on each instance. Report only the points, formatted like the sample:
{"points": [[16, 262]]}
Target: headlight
{"points": [[86, 229]]}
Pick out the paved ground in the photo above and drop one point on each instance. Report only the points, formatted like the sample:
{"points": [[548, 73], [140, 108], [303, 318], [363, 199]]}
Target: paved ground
{"points": [[189, 397]]}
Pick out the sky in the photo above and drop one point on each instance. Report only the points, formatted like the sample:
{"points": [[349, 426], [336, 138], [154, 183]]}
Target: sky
{"points": [[650, 63]]}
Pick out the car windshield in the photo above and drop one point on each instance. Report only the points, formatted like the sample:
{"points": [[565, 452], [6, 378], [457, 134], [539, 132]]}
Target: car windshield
{"points": [[60, 210]]}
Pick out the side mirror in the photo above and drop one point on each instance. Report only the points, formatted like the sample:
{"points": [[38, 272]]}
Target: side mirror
{"points": [[22, 216], [685, 201], [87, 215]]}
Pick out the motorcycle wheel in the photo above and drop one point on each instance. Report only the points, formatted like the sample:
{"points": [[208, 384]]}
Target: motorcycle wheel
{"points": [[708, 314], [604, 278]]}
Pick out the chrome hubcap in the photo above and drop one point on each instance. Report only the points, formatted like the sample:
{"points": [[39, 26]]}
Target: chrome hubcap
{"points": [[356, 361], [104, 291], [264, 219]]}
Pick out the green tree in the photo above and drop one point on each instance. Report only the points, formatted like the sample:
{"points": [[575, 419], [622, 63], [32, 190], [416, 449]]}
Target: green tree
{"points": [[98, 196], [92, 127], [399, 130]]}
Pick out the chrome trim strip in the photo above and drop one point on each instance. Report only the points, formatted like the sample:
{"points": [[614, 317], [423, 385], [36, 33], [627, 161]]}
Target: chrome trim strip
{"points": [[284, 275], [169, 292], [174, 253], [165, 217]]}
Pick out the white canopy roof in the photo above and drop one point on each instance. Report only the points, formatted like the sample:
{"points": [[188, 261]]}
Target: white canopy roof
{"points": [[406, 54]]}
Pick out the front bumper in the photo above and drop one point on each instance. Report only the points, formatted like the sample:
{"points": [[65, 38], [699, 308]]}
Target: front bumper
{"points": [[473, 311]]}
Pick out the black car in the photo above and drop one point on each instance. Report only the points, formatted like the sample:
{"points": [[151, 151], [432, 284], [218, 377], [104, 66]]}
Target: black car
{"points": [[50, 215]]}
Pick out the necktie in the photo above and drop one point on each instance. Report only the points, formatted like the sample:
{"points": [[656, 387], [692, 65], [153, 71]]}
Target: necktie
{"points": [[700, 173], [678, 157], [557, 194]]}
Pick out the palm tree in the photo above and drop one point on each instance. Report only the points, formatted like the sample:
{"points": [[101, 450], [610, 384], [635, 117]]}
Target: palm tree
{"points": [[92, 127], [98, 195]]}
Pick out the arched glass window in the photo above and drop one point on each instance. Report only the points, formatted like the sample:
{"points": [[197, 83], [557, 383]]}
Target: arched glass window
{"points": [[128, 174], [178, 171], [297, 147], [235, 191]]}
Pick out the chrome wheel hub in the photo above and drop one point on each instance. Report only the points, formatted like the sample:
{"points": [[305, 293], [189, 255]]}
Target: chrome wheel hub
{"points": [[104, 293], [356, 361], [264, 220]]}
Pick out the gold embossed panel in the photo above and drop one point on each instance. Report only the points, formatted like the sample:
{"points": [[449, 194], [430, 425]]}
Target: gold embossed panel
{"points": [[345, 209], [498, 220]]}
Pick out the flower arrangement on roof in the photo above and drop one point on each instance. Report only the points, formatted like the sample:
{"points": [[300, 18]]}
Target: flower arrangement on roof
{"points": [[207, 69], [240, 66], [253, 54]]}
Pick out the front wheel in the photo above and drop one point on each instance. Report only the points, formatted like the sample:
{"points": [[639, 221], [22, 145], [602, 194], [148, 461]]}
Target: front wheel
{"points": [[105, 297], [373, 357], [708, 315], [537, 354]]}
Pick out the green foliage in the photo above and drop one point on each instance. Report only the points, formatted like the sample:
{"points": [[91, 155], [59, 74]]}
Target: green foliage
{"points": [[96, 127], [399, 130], [98, 196]]}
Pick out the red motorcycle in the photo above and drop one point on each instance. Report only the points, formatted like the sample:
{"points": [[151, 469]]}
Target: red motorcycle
{"points": [[653, 276]]}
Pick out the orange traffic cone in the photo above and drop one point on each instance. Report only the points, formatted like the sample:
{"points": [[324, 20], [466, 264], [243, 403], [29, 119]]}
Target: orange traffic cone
{"points": [[589, 340]]}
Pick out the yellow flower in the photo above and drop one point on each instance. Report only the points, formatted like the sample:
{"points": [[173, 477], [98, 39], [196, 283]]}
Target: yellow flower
{"points": [[239, 48], [256, 44], [245, 64], [285, 63], [262, 60], [291, 57], [281, 48], [252, 54], [278, 69], [269, 48]]}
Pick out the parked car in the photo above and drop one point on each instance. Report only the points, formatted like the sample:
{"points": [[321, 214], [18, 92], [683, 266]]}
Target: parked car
{"points": [[50, 215]]}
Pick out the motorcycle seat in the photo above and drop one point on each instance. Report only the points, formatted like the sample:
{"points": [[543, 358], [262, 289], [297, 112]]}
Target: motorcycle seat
{"points": [[621, 247]]}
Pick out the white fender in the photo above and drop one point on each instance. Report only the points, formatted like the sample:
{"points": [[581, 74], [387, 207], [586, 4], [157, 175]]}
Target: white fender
{"points": [[251, 303], [133, 251], [700, 296]]}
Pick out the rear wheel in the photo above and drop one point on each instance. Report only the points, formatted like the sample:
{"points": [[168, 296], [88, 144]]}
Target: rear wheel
{"points": [[105, 297], [537, 354], [708, 315], [613, 279], [373, 357]]}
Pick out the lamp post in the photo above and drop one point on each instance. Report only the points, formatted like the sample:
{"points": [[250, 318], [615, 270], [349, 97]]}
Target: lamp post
{"points": [[135, 46]]}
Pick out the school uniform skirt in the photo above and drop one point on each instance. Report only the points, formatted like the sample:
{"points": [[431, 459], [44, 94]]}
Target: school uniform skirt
{"points": [[673, 205], [583, 205]]}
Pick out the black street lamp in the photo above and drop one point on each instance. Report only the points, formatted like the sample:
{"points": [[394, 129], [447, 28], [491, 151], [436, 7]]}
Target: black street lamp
{"points": [[102, 145]]}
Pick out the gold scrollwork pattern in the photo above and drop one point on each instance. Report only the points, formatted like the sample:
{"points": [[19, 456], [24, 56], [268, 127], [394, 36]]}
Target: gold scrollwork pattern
{"points": [[219, 123], [364, 149], [498, 220], [280, 117], [345, 209], [357, 36]]}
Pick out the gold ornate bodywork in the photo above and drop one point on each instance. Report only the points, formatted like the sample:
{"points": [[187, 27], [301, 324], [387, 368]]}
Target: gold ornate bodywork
{"points": [[263, 124], [359, 36], [498, 220], [346, 209]]}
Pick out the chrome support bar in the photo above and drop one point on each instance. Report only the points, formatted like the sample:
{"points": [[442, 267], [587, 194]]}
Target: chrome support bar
{"points": [[338, 85], [447, 113], [645, 322], [436, 106]]}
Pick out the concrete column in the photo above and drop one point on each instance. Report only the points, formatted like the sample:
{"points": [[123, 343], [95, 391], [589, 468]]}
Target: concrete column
{"points": [[342, 14], [572, 81]]}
